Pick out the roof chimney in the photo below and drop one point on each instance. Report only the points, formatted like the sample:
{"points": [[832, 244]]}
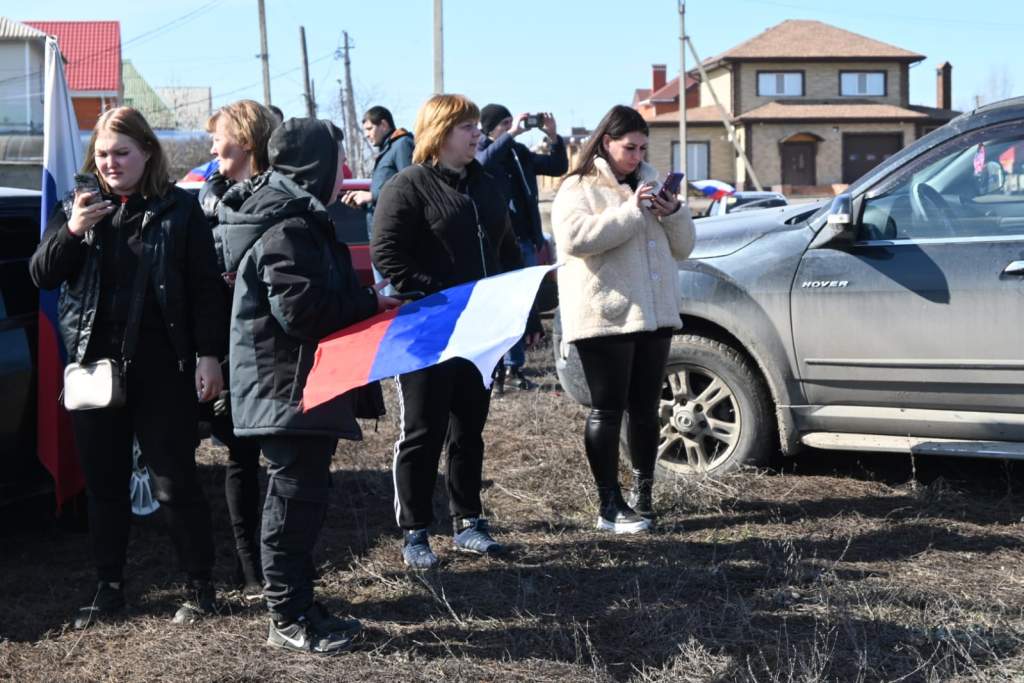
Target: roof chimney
{"points": [[944, 86], [658, 72]]}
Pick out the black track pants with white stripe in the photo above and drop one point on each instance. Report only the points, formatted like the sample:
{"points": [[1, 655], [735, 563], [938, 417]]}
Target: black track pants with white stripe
{"points": [[443, 404]]}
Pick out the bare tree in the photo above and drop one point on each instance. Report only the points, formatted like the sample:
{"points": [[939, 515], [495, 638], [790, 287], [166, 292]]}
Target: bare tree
{"points": [[998, 86]]}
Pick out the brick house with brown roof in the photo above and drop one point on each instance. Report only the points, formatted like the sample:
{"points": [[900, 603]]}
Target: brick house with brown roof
{"points": [[814, 106]]}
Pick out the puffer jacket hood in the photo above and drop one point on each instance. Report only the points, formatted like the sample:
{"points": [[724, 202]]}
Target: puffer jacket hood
{"points": [[306, 152], [249, 209]]}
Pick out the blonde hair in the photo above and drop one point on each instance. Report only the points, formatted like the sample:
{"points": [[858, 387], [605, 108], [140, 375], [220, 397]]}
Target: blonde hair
{"points": [[250, 124], [156, 178], [436, 118]]}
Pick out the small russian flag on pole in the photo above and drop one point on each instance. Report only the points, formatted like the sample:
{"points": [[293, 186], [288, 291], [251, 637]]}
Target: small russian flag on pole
{"points": [[713, 189], [478, 321]]}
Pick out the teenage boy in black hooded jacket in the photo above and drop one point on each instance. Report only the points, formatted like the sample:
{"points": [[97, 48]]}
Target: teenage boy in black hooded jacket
{"points": [[294, 285]]}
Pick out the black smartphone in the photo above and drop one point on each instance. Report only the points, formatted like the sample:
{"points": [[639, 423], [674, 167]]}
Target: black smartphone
{"points": [[671, 185], [407, 296], [87, 183], [533, 121]]}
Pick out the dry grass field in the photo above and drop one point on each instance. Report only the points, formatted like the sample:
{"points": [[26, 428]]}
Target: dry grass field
{"points": [[830, 567]]}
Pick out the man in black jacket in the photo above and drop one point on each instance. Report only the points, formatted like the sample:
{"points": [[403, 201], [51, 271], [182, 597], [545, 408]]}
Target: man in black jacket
{"points": [[295, 285], [515, 168]]}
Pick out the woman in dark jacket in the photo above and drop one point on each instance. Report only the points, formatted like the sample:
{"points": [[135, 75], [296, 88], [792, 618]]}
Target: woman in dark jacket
{"points": [[240, 132], [139, 284], [295, 285], [442, 222]]}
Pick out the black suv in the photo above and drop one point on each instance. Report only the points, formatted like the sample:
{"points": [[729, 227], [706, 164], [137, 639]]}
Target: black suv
{"points": [[21, 475]]}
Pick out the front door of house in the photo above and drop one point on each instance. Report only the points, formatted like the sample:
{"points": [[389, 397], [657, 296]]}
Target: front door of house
{"points": [[798, 163]]}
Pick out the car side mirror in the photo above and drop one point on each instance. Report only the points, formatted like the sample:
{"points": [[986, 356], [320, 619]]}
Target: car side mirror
{"points": [[839, 224]]}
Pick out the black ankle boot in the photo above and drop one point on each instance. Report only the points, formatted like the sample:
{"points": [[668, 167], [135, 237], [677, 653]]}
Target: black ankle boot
{"points": [[641, 497], [616, 516]]}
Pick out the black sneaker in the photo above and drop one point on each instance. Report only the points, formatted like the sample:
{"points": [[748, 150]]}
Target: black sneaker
{"points": [[325, 622], [617, 517], [200, 602], [108, 601], [472, 535], [252, 592], [641, 497], [499, 380], [302, 635], [520, 380]]}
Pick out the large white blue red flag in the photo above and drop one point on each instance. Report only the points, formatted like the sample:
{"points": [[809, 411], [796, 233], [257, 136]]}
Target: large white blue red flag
{"points": [[62, 157], [478, 321], [713, 189]]}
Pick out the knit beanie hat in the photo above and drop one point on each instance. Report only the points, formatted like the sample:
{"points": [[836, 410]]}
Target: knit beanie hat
{"points": [[491, 116]]}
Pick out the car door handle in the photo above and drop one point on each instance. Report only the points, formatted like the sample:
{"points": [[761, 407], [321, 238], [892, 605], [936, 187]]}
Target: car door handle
{"points": [[1015, 268]]}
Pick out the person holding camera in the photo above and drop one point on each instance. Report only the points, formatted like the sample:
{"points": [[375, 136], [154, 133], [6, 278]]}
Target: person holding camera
{"points": [[295, 285], [439, 223], [140, 288], [619, 303], [239, 133], [515, 168]]}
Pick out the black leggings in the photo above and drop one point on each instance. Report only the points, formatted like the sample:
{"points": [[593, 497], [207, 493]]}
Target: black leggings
{"points": [[162, 412], [623, 372], [242, 493]]}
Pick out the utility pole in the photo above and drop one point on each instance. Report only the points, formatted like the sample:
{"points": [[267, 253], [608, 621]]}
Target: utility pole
{"points": [[724, 115], [263, 55], [682, 89], [438, 47], [355, 147], [310, 102]]}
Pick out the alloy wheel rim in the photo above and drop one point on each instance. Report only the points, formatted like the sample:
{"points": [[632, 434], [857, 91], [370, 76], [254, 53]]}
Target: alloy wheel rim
{"points": [[700, 420]]}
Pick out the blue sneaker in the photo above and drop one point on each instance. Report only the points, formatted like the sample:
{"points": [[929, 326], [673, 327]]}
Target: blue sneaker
{"points": [[472, 536], [416, 552]]}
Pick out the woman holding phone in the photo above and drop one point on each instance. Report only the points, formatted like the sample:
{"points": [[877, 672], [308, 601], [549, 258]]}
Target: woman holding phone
{"points": [[619, 301], [135, 262]]}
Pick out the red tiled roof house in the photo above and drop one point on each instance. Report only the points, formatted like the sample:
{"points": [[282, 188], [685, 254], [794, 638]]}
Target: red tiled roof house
{"points": [[813, 105], [92, 50]]}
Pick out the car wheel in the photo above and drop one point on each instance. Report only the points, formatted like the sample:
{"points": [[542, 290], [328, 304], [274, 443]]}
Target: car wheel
{"points": [[715, 412]]}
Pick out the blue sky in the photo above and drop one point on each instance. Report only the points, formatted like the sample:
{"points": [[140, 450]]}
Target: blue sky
{"points": [[575, 58]]}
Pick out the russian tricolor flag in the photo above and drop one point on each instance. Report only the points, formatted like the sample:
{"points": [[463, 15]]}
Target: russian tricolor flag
{"points": [[200, 174], [62, 157], [478, 321], [713, 189]]}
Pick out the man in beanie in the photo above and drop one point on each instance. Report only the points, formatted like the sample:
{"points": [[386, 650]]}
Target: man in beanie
{"points": [[294, 285], [516, 168]]}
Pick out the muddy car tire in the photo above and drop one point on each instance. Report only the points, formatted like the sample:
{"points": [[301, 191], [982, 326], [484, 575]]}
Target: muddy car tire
{"points": [[716, 413]]}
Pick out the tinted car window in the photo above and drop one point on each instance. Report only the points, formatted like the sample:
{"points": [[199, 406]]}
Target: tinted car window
{"points": [[971, 187]]}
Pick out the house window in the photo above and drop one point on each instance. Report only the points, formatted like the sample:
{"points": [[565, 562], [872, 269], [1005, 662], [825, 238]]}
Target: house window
{"points": [[697, 159], [862, 83], [780, 83]]}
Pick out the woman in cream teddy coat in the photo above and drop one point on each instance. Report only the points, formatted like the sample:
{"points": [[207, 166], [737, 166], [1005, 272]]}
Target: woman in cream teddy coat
{"points": [[620, 242]]}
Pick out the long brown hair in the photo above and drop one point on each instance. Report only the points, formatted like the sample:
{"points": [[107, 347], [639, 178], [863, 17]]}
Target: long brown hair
{"points": [[619, 122], [155, 181], [436, 118]]}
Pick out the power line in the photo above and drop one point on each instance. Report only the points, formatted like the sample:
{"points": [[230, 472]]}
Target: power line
{"points": [[249, 85], [142, 37]]}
